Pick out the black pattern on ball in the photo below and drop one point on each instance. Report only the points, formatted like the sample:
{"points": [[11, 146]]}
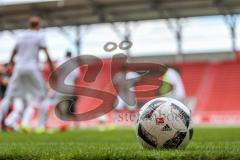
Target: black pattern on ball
{"points": [[146, 136], [175, 141]]}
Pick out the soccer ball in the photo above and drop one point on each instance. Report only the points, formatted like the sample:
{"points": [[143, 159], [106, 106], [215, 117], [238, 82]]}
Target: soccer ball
{"points": [[164, 123]]}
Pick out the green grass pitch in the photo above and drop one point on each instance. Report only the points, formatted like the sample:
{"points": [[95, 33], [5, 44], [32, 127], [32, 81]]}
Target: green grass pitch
{"points": [[207, 143]]}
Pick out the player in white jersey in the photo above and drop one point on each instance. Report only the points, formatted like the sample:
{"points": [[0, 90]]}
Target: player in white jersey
{"points": [[125, 81], [54, 98], [125, 88], [174, 78], [27, 80]]}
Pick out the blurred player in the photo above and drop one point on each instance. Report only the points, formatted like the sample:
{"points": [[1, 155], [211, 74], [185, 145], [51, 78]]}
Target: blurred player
{"points": [[122, 79], [27, 81], [125, 81], [65, 108], [174, 78]]}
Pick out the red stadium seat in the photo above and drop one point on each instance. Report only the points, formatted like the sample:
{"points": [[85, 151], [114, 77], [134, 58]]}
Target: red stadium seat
{"points": [[214, 85]]}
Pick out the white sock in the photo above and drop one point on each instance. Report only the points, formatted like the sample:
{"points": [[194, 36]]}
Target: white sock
{"points": [[43, 111], [28, 113]]}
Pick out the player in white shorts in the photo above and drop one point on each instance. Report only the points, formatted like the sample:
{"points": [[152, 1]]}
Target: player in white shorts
{"points": [[27, 81], [52, 98]]}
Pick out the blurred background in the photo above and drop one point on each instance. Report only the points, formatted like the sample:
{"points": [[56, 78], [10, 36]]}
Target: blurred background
{"points": [[198, 38]]}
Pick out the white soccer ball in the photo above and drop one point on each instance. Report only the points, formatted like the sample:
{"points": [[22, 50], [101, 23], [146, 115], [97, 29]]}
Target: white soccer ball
{"points": [[164, 123]]}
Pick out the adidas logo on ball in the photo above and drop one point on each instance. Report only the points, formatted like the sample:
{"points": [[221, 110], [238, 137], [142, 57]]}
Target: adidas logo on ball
{"points": [[166, 128]]}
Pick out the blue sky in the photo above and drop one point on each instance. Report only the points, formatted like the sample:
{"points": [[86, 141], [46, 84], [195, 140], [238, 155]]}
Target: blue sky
{"points": [[204, 34]]}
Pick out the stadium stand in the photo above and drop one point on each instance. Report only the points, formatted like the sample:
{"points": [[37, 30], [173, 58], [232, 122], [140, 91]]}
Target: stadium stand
{"points": [[214, 85], [192, 74], [218, 97]]}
